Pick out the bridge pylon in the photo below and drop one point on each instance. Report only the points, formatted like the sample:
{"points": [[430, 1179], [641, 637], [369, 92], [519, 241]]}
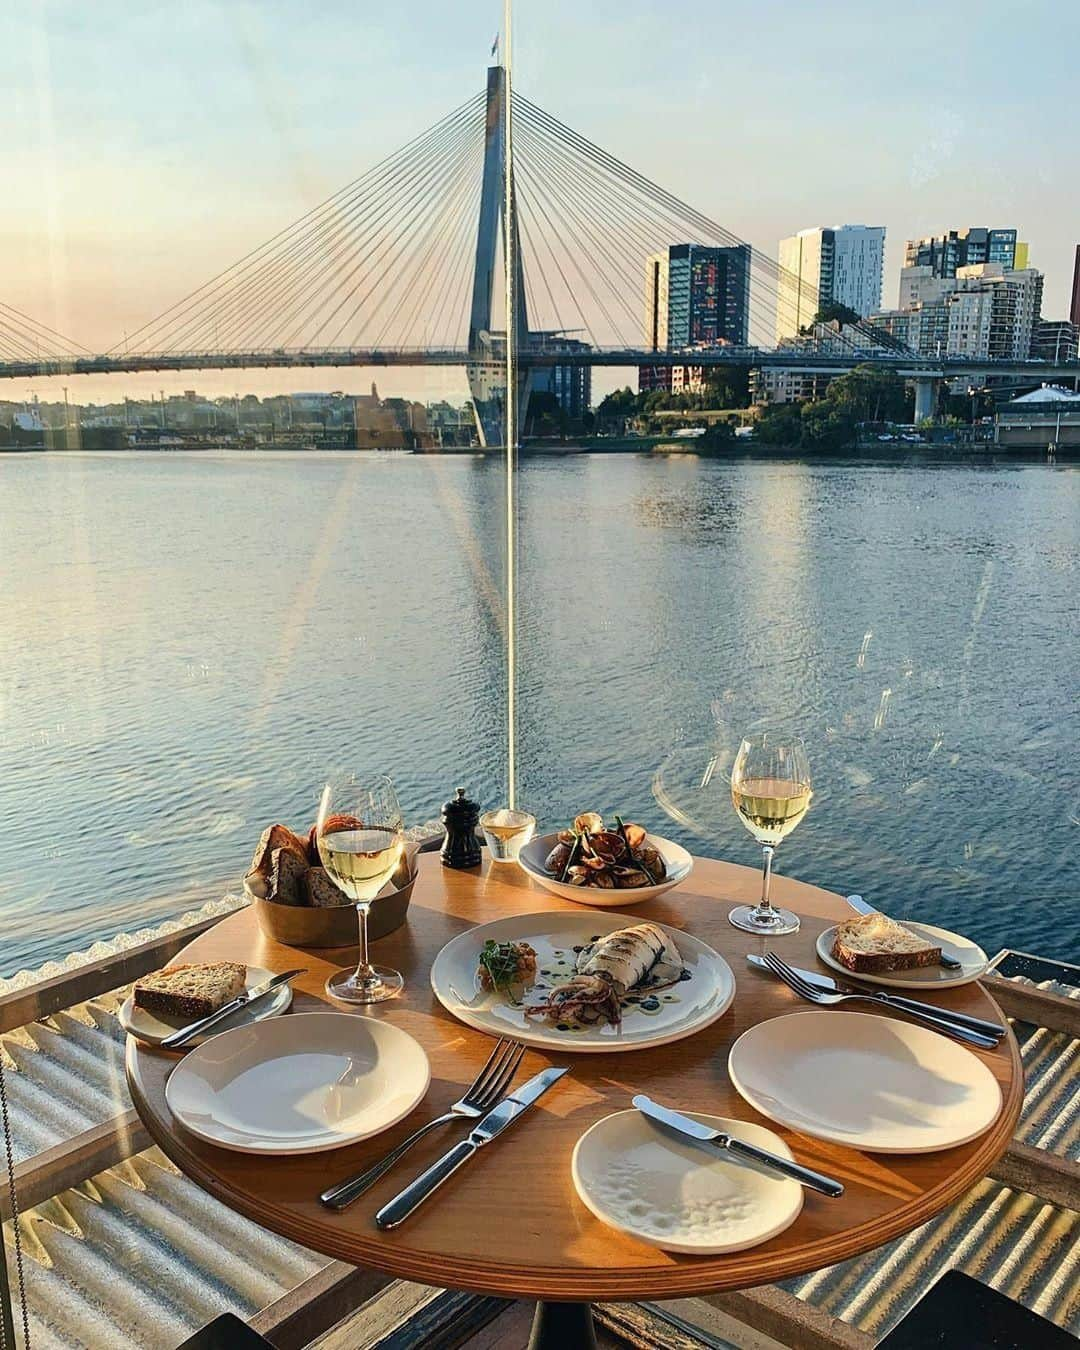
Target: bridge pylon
{"points": [[487, 343]]}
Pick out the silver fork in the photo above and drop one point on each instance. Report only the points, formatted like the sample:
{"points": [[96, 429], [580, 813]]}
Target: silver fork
{"points": [[483, 1092], [794, 981]]}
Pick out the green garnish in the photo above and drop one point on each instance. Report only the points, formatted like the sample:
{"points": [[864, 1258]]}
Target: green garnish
{"points": [[502, 961]]}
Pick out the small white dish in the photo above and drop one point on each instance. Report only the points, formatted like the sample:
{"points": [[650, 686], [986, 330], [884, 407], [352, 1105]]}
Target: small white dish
{"points": [[973, 961], [869, 1082], [677, 860], [680, 1010], [152, 1029], [642, 1180], [300, 1084]]}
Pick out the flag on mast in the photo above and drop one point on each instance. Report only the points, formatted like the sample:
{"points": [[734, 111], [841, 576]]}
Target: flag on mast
{"points": [[495, 46]]}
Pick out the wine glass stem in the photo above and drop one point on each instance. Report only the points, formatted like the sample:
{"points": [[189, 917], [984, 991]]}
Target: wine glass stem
{"points": [[365, 973], [766, 877]]}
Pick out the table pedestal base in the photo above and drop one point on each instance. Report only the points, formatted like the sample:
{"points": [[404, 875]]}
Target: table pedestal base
{"points": [[563, 1326]]}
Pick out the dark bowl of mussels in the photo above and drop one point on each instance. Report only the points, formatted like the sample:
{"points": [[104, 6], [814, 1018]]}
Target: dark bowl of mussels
{"points": [[613, 864]]}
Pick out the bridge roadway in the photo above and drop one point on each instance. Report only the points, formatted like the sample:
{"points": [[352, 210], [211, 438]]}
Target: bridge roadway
{"points": [[904, 364]]}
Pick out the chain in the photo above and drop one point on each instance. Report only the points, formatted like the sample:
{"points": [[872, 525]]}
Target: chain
{"points": [[6, 1325]]}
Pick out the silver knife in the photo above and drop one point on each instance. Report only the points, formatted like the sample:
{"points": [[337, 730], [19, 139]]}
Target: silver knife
{"points": [[705, 1134], [831, 986], [859, 905], [181, 1037], [508, 1110]]}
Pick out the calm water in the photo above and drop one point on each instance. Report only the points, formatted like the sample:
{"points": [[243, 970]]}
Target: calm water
{"points": [[190, 641]]}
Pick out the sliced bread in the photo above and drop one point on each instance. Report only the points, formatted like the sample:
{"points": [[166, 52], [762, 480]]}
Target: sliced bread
{"points": [[320, 891], [276, 836], [287, 873], [191, 990], [873, 944]]}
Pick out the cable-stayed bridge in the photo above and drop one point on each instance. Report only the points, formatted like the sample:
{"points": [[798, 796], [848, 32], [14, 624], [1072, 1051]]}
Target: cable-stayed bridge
{"points": [[401, 267]]}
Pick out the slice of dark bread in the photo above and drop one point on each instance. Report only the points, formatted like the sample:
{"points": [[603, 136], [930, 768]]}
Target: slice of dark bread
{"points": [[276, 836], [321, 891], [874, 945], [190, 990], [287, 872]]}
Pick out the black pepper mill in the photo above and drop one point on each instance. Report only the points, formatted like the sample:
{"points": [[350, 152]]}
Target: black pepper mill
{"points": [[461, 848]]}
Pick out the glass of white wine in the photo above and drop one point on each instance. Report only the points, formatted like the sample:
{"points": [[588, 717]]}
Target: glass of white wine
{"points": [[770, 787], [360, 833]]}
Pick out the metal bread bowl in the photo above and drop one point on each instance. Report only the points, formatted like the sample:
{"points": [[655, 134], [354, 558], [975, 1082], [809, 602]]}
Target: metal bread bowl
{"points": [[337, 926]]}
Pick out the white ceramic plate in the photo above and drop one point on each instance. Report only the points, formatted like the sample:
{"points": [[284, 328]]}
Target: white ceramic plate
{"points": [[678, 862], [152, 1029], [680, 1011], [299, 1084], [869, 1082], [973, 961], [645, 1181]]}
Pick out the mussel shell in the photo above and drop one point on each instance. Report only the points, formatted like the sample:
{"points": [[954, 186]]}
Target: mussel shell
{"points": [[604, 880], [629, 878], [653, 860], [557, 859], [608, 842], [635, 835], [578, 875]]}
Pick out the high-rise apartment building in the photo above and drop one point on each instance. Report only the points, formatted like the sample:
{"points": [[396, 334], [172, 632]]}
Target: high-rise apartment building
{"points": [[839, 265], [944, 253], [697, 295], [983, 311]]}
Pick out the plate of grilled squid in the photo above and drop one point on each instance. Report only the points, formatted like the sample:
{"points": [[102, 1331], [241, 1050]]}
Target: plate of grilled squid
{"points": [[582, 981], [597, 863]]}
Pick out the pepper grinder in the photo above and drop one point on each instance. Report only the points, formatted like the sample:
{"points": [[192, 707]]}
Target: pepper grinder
{"points": [[461, 848]]}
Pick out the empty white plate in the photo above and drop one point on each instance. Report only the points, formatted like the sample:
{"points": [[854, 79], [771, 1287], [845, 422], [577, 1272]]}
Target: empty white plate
{"points": [[152, 1028], [640, 1179], [298, 1084], [870, 1082], [973, 961]]}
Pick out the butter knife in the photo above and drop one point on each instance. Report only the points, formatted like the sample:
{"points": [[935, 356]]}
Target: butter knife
{"points": [[705, 1134], [859, 905], [831, 986], [508, 1110], [178, 1038]]}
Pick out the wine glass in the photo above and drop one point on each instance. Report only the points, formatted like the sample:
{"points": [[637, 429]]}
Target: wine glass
{"points": [[360, 833], [770, 787]]}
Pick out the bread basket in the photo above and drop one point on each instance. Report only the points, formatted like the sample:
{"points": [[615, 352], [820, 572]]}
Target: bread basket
{"points": [[307, 926]]}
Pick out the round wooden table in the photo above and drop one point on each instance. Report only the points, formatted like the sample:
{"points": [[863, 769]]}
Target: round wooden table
{"points": [[510, 1223]]}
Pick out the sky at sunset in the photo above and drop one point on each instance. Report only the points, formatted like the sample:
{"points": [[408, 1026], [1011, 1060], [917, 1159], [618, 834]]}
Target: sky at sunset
{"points": [[147, 145]]}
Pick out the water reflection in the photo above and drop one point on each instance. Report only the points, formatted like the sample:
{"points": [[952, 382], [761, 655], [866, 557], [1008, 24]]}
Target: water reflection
{"points": [[200, 637]]}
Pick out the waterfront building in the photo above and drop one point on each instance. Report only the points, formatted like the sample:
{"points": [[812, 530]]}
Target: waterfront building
{"points": [[1056, 340], [1048, 416], [945, 253], [982, 311], [672, 379], [838, 265], [697, 295], [571, 384], [782, 384]]}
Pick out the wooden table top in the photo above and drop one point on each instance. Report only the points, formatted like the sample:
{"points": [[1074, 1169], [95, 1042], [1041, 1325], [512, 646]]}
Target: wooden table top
{"points": [[510, 1223]]}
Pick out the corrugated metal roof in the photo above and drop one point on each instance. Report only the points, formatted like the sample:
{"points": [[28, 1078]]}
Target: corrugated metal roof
{"points": [[1013, 1241], [139, 1257]]}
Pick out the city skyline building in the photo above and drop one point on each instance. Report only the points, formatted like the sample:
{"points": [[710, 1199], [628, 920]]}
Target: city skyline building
{"points": [[984, 310], [833, 265], [945, 253], [697, 295]]}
